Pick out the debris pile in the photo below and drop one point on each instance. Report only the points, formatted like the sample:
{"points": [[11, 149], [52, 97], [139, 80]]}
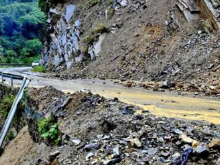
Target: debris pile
{"points": [[106, 131]]}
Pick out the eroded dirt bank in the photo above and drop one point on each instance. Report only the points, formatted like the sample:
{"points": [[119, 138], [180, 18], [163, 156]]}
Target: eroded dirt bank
{"points": [[95, 130]]}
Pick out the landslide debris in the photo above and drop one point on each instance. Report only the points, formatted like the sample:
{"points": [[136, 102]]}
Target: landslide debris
{"points": [[96, 130], [154, 40]]}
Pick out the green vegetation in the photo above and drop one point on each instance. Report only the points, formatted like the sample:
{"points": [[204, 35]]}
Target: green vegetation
{"points": [[94, 2], [40, 69], [5, 105], [46, 4], [10, 136], [101, 28], [21, 22], [48, 129]]}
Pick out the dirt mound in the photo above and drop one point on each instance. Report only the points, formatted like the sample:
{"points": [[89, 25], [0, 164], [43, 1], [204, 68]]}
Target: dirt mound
{"points": [[96, 130], [43, 97]]}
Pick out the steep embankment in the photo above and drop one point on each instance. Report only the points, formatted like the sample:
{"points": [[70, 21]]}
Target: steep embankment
{"points": [[135, 39]]}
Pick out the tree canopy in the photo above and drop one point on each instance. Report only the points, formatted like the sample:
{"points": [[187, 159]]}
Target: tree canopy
{"points": [[21, 22]]}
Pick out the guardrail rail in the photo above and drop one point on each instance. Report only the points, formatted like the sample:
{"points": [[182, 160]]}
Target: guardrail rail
{"points": [[11, 76], [13, 110]]}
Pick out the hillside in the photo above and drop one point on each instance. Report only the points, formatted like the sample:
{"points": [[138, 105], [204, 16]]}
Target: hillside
{"points": [[135, 39]]}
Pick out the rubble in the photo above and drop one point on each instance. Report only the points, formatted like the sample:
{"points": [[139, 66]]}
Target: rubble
{"points": [[100, 134]]}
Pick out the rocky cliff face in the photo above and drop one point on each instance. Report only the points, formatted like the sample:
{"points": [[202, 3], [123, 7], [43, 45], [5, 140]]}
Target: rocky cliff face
{"points": [[139, 39]]}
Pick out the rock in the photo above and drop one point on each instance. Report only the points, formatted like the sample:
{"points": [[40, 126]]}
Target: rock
{"points": [[135, 142], [76, 141], [175, 156], [215, 143], [152, 151], [165, 85], [89, 155], [177, 131], [202, 149], [124, 3], [188, 140], [165, 154], [53, 155], [116, 150], [112, 161], [127, 112], [90, 147], [139, 117]]}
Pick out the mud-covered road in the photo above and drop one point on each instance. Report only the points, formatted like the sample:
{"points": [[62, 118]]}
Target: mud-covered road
{"points": [[160, 104]]}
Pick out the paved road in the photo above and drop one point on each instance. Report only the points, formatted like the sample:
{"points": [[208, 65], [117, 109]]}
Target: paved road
{"points": [[160, 104]]}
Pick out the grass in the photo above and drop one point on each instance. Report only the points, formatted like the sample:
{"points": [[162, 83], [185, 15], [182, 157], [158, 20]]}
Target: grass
{"points": [[40, 69]]}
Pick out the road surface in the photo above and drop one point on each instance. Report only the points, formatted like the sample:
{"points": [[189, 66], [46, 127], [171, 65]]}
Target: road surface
{"points": [[160, 104]]}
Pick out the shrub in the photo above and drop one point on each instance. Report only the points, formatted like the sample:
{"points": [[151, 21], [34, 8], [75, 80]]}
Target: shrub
{"points": [[10, 136], [101, 28], [48, 129], [40, 69]]}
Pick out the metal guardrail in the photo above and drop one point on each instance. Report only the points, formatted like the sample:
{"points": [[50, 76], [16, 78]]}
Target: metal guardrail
{"points": [[13, 111], [11, 76]]}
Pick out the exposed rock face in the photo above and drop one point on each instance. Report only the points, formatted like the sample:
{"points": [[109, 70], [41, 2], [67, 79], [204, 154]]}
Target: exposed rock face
{"points": [[62, 46]]}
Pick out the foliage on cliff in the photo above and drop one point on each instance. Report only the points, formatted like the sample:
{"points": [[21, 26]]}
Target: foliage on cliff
{"points": [[20, 25], [46, 4]]}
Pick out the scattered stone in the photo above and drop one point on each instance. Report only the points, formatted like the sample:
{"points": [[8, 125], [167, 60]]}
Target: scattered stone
{"points": [[89, 155], [202, 149], [152, 151], [188, 140], [215, 143], [90, 147], [54, 155], [135, 142]]}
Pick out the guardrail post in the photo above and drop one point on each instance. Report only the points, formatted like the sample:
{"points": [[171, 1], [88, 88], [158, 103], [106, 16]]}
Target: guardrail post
{"points": [[11, 81]]}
